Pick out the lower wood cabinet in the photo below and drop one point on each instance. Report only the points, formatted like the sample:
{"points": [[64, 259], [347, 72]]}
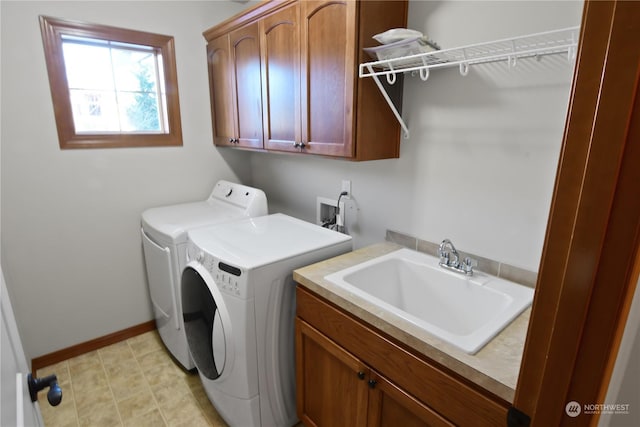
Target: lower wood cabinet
{"points": [[390, 406], [331, 383], [349, 374], [335, 388]]}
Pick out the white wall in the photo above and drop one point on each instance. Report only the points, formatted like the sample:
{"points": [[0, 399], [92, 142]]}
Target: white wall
{"points": [[480, 164], [71, 250], [478, 168]]}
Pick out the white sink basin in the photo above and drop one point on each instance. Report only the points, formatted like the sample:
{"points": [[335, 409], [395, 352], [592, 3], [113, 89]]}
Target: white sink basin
{"points": [[465, 311]]}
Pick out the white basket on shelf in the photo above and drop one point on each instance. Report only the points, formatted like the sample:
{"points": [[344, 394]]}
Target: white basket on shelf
{"points": [[402, 48]]}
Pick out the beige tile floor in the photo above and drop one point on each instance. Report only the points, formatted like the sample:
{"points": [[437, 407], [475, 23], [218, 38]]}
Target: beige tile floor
{"points": [[131, 383]]}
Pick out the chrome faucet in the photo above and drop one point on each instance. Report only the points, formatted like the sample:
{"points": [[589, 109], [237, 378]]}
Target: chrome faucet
{"points": [[445, 255], [450, 259]]}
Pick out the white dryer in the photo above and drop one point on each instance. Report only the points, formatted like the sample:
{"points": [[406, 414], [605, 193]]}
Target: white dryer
{"points": [[164, 238], [238, 298]]}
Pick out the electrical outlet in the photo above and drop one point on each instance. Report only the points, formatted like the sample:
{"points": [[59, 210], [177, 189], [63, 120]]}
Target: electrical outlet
{"points": [[346, 186]]}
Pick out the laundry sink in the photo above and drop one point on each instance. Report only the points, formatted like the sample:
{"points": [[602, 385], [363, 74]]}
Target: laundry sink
{"points": [[465, 311]]}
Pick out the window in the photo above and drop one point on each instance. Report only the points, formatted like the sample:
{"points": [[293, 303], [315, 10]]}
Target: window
{"points": [[111, 87]]}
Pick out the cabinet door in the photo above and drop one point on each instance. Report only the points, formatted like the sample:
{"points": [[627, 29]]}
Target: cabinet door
{"points": [[331, 384], [220, 86], [328, 76], [245, 52], [389, 406], [280, 43]]}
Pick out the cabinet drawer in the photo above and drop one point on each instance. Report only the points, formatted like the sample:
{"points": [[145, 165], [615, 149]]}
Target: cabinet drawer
{"points": [[440, 389]]}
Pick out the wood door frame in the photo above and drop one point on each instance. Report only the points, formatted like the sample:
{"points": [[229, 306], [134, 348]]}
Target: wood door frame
{"points": [[589, 269]]}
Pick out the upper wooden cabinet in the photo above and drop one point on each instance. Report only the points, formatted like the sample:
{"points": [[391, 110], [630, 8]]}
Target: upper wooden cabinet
{"points": [[329, 76], [311, 98], [220, 86], [234, 82], [280, 41]]}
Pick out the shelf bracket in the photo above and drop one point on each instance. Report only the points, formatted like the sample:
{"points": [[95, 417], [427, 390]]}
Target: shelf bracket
{"points": [[384, 93]]}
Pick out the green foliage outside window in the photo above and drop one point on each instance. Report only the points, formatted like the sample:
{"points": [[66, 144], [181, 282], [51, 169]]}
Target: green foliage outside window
{"points": [[144, 113]]}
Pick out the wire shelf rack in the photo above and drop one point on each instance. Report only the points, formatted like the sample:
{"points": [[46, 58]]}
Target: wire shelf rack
{"points": [[562, 41]]}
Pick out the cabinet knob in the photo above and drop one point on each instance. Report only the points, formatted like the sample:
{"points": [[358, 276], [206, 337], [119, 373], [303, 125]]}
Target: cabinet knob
{"points": [[372, 383], [361, 375], [299, 144], [231, 141]]}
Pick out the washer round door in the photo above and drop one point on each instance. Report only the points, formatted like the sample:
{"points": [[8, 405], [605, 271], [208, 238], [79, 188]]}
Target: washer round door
{"points": [[206, 322]]}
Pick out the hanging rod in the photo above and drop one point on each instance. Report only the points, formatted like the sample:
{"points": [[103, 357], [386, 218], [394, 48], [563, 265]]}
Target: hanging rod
{"points": [[511, 49]]}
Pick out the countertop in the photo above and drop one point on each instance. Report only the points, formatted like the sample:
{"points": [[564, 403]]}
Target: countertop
{"points": [[495, 367]]}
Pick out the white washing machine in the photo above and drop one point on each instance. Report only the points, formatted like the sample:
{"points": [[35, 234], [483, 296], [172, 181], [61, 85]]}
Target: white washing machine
{"points": [[238, 298], [164, 238]]}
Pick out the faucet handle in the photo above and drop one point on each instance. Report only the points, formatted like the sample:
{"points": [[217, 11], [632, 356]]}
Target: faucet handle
{"points": [[444, 258], [468, 264]]}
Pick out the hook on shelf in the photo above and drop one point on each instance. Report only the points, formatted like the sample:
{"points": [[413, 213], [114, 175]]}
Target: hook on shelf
{"points": [[512, 59], [391, 77], [464, 68], [424, 74]]}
